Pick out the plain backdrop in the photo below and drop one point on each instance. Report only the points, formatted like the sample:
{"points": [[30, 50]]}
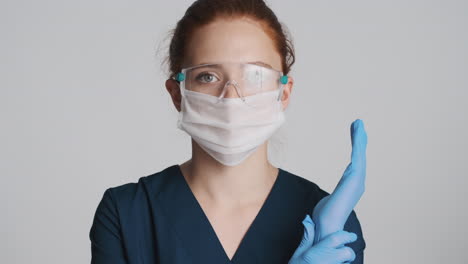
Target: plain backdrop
{"points": [[83, 107]]}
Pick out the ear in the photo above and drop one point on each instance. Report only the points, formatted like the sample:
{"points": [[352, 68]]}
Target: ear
{"points": [[172, 86], [287, 89]]}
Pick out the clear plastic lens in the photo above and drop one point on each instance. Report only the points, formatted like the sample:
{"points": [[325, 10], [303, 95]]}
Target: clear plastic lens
{"points": [[215, 79]]}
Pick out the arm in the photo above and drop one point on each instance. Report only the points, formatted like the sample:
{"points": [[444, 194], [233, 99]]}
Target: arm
{"points": [[105, 233], [334, 213], [331, 212]]}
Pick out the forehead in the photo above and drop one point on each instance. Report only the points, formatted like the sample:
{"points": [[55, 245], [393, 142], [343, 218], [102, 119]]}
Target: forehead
{"points": [[231, 40]]}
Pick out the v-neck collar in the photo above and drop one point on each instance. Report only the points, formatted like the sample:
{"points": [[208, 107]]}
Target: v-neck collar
{"points": [[194, 229]]}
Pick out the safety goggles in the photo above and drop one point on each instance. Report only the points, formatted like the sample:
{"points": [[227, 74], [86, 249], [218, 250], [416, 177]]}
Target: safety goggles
{"points": [[248, 79]]}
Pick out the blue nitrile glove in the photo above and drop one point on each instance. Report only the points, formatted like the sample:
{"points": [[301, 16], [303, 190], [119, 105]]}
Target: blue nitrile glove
{"points": [[330, 250], [326, 244], [331, 212]]}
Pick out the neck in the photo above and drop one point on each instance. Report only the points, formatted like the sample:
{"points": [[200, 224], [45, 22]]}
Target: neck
{"points": [[231, 186]]}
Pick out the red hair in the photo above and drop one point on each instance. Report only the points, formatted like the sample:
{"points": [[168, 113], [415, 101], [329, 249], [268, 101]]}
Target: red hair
{"points": [[203, 12]]}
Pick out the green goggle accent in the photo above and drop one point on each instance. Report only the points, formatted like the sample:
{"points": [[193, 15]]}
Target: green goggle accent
{"points": [[180, 77], [284, 79]]}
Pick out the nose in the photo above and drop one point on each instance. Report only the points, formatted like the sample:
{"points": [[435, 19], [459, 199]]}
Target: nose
{"points": [[231, 90]]}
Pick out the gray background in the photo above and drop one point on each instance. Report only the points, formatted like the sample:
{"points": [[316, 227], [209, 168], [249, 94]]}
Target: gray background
{"points": [[83, 107]]}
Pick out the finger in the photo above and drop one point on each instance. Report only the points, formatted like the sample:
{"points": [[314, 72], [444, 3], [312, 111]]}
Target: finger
{"points": [[338, 239], [336, 208], [358, 142], [356, 169], [308, 236], [309, 230], [346, 254]]}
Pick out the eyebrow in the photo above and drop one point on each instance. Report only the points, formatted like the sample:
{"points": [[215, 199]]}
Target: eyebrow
{"points": [[261, 63]]}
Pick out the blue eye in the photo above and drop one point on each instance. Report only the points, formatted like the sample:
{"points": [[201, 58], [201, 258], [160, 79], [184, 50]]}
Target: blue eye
{"points": [[201, 78]]}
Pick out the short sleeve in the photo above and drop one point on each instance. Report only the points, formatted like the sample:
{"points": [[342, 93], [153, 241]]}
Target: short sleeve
{"points": [[105, 233], [353, 225]]}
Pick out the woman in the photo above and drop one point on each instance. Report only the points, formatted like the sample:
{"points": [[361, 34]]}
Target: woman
{"points": [[229, 62]]}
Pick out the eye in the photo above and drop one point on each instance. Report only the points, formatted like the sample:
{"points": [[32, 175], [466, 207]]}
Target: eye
{"points": [[206, 77]]}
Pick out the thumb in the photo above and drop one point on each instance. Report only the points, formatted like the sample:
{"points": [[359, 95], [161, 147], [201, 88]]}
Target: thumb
{"points": [[309, 228], [309, 233]]}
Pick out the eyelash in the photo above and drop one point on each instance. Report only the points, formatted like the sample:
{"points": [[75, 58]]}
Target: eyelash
{"points": [[205, 74]]}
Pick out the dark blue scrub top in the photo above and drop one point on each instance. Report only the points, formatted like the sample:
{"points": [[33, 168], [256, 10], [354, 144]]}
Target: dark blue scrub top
{"points": [[158, 220]]}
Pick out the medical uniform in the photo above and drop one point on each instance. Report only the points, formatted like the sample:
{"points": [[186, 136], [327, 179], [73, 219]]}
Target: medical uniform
{"points": [[159, 221]]}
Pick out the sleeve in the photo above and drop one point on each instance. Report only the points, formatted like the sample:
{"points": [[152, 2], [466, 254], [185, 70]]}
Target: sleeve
{"points": [[353, 225], [105, 233]]}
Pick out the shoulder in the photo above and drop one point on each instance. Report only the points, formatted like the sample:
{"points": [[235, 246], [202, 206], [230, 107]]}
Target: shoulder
{"points": [[309, 189], [126, 196]]}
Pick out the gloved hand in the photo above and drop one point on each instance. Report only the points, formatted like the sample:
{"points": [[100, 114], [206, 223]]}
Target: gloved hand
{"points": [[330, 250], [324, 237], [332, 211]]}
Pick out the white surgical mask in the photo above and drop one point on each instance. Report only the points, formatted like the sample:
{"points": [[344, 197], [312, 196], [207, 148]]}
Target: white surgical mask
{"points": [[230, 129]]}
